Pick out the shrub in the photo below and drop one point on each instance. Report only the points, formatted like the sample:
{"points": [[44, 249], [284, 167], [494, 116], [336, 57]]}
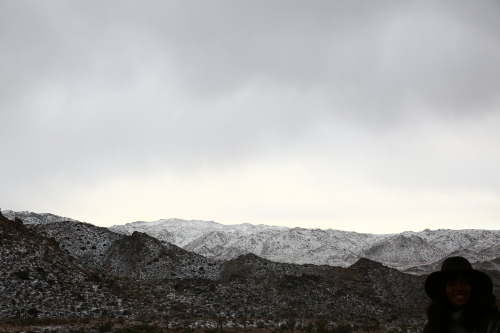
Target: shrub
{"points": [[106, 327], [33, 312], [343, 329], [23, 275]]}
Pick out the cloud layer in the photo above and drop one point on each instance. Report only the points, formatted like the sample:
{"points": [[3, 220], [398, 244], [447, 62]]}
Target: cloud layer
{"points": [[321, 114]]}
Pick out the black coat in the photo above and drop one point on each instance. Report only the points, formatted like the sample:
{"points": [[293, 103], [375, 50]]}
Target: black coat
{"points": [[483, 326]]}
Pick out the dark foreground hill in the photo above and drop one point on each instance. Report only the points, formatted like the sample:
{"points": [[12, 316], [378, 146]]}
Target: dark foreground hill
{"points": [[37, 278], [77, 270]]}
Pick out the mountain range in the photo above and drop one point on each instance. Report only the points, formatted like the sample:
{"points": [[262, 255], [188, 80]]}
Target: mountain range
{"points": [[175, 272], [406, 251], [414, 252]]}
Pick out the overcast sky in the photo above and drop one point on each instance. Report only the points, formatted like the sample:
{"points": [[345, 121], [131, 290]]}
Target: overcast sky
{"points": [[370, 116]]}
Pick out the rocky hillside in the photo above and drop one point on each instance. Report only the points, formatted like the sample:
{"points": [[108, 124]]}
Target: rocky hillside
{"points": [[46, 274], [70, 269], [37, 278], [35, 218], [133, 256], [365, 292]]}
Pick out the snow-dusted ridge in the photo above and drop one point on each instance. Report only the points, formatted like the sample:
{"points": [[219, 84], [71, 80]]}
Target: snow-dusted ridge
{"points": [[416, 252], [36, 218], [184, 232], [410, 251]]}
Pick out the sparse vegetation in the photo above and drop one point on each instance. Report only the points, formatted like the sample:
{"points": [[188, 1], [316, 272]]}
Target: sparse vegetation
{"points": [[114, 289]]}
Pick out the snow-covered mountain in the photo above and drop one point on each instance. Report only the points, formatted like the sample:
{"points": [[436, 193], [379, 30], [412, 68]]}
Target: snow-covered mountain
{"points": [[409, 251], [282, 244], [183, 232], [415, 252], [35, 218]]}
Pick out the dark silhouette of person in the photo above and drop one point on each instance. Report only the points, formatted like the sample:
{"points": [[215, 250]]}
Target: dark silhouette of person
{"points": [[462, 300]]}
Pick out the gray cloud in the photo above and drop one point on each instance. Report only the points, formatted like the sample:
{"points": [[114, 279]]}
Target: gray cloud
{"points": [[91, 87]]}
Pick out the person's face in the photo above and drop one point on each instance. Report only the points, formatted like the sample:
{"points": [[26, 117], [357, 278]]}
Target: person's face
{"points": [[458, 291]]}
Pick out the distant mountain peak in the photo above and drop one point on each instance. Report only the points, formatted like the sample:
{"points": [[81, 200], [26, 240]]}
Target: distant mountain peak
{"points": [[365, 262]]}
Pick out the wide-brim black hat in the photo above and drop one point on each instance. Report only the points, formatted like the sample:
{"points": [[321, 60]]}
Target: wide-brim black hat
{"points": [[457, 266]]}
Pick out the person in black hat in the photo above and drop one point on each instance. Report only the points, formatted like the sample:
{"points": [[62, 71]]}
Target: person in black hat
{"points": [[462, 299]]}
